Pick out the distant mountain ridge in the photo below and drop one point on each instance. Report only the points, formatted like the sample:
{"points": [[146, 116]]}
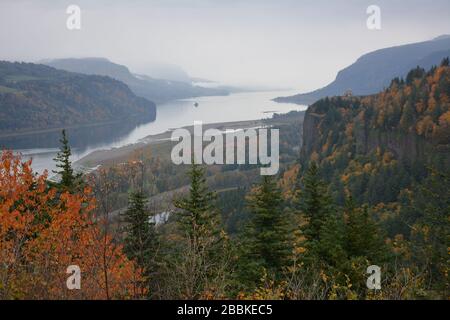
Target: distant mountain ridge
{"points": [[373, 71], [157, 90], [38, 97], [166, 71]]}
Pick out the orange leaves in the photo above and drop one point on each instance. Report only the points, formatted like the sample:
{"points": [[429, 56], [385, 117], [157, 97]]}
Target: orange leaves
{"points": [[387, 157], [42, 232], [381, 118], [444, 120], [314, 156], [432, 104], [288, 181], [349, 130], [411, 103], [425, 126]]}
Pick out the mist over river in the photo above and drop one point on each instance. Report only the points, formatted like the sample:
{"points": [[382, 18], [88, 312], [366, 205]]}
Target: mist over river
{"points": [[42, 147]]}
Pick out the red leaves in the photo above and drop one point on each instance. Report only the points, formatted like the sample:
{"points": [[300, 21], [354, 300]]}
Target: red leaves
{"points": [[42, 232]]}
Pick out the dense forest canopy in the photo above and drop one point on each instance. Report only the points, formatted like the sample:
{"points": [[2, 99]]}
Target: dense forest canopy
{"points": [[380, 144], [38, 97]]}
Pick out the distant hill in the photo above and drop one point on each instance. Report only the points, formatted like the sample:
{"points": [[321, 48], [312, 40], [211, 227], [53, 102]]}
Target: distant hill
{"points": [[166, 71], [157, 90], [38, 97], [373, 72]]}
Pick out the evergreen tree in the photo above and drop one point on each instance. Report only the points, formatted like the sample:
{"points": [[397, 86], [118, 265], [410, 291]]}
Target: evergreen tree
{"points": [[68, 180], [197, 216], [198, 264], [329, 250], [349, 242], [140, 242], [416, 73], [266, 240], [430, 233], [314, 202], [363, 237]]}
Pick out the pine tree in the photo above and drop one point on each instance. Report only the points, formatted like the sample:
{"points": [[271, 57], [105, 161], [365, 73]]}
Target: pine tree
{"points": [[313, 202], [201, 258], [140, 242], [266, 240], [363, 237], [330, 248], [430, 235], [69, 180], [197, 215]]}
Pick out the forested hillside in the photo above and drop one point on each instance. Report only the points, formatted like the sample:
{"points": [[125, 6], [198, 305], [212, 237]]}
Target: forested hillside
{"points": [[380, 144], [37, 97]]}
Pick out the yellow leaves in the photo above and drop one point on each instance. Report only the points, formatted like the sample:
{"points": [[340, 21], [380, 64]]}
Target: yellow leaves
{"points": [[368, 167], [439, 74], [431, 104], [387, 158], [444, 120], [299, 250], [323, 276], [381, 118], [378, 152], [288, 181], [425, 126], [332, 158], [420, 107], [354, 169], [444, 100], [268, 290], [314, 156], [349, 130], [345, 178], [343, 291]]}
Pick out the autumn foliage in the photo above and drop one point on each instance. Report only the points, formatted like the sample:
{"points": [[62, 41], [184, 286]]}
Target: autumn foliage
{"points": [[43, 231]]}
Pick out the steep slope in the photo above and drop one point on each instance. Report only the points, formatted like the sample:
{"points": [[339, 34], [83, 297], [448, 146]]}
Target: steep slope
{"points": [[167, 72], [38, 97], [373, 72], [156, 90], [380, 144]]}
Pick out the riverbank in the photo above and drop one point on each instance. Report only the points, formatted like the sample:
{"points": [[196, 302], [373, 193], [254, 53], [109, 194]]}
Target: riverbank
{"points": [[160, 144]]}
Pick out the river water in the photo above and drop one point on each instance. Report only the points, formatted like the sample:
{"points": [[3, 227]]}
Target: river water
{"points": [[42, 147]]}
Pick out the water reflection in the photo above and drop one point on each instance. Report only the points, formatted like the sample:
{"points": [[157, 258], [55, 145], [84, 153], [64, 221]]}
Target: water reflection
{"points": [[42, 147]]}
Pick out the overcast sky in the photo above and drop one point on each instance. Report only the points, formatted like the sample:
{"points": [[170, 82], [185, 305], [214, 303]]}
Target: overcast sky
{"points": [[288, 43]]}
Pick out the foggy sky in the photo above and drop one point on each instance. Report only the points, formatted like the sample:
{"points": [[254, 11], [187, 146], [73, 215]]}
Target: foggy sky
{"points": [[283, 43]]}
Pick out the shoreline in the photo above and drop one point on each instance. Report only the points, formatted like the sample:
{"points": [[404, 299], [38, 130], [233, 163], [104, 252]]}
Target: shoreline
{"points": [[59, 129], [162, 141], [116, 155]]}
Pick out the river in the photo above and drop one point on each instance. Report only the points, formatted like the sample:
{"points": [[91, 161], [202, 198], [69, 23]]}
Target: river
{"points": [[42, 147]]}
